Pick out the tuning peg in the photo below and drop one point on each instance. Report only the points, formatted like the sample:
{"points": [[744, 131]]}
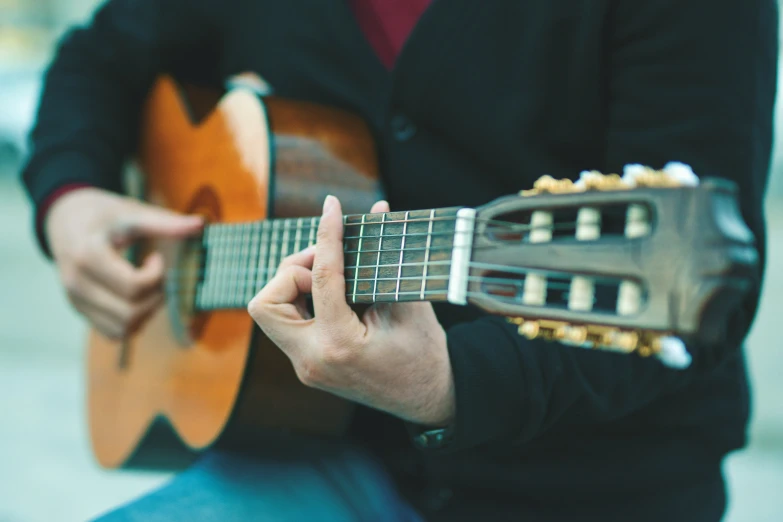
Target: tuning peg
{"points": [[673, 353]]}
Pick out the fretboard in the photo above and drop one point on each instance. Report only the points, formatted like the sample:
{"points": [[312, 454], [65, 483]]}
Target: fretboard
{"points": [[391, 257]]}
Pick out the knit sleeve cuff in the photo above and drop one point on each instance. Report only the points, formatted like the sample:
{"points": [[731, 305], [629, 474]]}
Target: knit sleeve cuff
{"points": [[43, 210], [48, 180]]}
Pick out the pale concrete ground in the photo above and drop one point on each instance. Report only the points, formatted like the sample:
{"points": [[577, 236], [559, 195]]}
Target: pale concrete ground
{"points": [[46, 470]]}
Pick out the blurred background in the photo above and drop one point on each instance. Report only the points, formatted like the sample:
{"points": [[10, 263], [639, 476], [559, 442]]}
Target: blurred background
{"points": [[46, 469]]}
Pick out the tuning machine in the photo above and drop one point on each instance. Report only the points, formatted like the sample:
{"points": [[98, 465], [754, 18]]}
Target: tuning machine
{"points": [[670, 350], [674, 174]]}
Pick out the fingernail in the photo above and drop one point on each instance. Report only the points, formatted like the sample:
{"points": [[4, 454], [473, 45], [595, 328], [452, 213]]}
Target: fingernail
{"points": [[329, 203]]}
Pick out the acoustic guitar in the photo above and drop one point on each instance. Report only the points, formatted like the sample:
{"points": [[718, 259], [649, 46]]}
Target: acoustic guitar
{"points": [[258, 168]]}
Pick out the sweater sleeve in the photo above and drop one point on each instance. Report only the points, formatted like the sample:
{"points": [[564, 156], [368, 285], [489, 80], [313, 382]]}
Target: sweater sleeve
{"points": [[89, 109], [687, 81]]}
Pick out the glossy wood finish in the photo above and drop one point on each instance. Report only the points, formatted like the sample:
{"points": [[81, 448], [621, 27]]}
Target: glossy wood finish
{"points": [[223, 168]]}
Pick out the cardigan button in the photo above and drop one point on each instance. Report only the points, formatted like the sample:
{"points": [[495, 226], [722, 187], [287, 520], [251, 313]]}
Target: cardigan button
{"points": [[402, 127]]}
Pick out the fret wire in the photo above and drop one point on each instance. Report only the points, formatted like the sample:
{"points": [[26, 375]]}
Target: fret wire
{"points": [[427, 253], [224, 264], [262, 255], [313, 228], [243, 259], [286, 231], [378, 261], [253, 262], [273, 263], [236, 262], [358, 257], [243, 254], [298, 236], [232, 262], [402, 252]]}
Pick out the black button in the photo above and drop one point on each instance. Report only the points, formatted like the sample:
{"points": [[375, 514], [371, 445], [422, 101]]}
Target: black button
{"points": [[431, 439], [402, 127]]}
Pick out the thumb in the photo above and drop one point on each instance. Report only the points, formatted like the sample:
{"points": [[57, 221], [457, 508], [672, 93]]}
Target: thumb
{"points": [[149, 221]]}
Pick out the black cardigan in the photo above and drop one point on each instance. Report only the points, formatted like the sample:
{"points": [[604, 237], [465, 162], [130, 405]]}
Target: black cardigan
{"points": [[486, 96]]}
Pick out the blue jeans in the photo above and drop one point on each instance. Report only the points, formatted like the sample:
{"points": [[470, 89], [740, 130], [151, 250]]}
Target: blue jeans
{"points": [[318, 481]]}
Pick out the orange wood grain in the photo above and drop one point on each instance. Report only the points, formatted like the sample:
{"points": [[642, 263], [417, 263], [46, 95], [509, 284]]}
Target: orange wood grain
{"points": [[194, 387]]}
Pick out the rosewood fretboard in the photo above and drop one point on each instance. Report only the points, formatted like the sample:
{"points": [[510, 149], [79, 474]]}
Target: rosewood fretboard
{"points": [[396, 256]]}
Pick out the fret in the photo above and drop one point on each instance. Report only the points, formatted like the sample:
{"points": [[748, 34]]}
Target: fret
{"points": [[273, 252], [252, 272], [241, 274], [298, 236], [427, 254], [378, 260], [358, 258], [313, 228], [402, 254], [262, 257], [286, 228], [225, 266], [229, 264]]}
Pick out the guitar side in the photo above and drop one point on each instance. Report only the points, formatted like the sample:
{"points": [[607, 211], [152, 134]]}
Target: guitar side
{"points": [[154, 402]]}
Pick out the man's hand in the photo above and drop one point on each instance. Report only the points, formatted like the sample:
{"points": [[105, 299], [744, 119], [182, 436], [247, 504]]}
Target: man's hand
{"points": [[393, 358], [86, 230]]}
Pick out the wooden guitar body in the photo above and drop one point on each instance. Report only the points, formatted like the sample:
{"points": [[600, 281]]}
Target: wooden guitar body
{"points": [[154, 401]]}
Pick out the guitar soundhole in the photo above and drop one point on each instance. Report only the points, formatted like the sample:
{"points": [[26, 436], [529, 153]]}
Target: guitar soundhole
{"points": [[187, 321]]}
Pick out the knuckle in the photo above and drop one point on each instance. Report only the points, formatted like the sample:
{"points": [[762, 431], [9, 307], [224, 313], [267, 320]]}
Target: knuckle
{"points": [[336, 353], [134, 289], [322, 234], [255, 307], [308, 373], [321, 275]]}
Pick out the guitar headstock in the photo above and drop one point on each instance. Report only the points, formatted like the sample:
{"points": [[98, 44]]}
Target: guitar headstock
{"points": [[644, 262]]}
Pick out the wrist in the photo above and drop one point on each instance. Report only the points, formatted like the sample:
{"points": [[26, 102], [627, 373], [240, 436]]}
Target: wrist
{"points": [[44, 211]]}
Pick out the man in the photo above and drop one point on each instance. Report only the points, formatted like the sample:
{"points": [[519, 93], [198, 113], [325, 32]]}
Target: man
{"points": [[462, 419]]}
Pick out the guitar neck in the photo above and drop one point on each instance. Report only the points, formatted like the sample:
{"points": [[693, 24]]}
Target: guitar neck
{"points": [[420, 255]]}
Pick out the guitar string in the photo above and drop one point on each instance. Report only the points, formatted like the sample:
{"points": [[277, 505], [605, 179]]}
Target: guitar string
{"points": [[500, 268], [234, 230], [435, 293], [302, 226], [219, 271], [554, 285], [229, 240]]}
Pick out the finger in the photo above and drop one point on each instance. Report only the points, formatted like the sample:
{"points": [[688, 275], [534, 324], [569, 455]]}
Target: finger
{"points": [[303, 259], [380, 207], [115, 272], [92, 298], [328, 287], [149, 221], [286, 288]]}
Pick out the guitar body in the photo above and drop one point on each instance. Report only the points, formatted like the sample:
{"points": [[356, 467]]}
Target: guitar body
{"points": [[154, 401]]}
